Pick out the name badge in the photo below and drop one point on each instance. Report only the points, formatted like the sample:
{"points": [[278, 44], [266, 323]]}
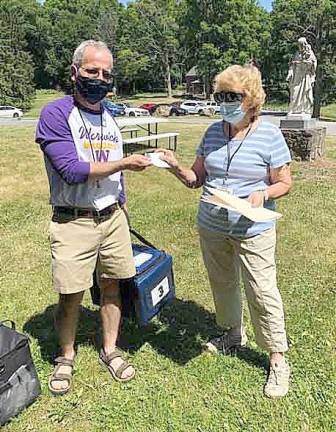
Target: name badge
{"points": [[225, 188], [103, 201]]}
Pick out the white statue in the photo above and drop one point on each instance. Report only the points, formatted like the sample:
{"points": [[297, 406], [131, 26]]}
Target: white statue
{"points": [[301, 78]]}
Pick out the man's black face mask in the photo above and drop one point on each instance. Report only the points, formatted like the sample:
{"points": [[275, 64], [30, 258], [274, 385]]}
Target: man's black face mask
{"points": [[93, 90]]}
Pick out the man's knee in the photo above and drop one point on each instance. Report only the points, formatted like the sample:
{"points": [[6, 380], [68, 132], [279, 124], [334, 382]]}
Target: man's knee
{"points": [[110, 291]]}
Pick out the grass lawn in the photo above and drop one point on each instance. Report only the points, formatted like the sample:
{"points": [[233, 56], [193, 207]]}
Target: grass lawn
{"points": [[329, 111], [44, 96], [177, 388]]}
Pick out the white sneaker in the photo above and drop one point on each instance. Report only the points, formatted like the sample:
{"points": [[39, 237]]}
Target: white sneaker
{"points": [[278, 380]]}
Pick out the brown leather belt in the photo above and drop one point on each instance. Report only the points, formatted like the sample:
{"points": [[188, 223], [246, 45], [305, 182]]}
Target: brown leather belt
{"points": [[74, 213]]}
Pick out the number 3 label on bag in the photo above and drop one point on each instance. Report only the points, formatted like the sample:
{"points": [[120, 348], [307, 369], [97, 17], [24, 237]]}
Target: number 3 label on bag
{"points": [[160, 291]]}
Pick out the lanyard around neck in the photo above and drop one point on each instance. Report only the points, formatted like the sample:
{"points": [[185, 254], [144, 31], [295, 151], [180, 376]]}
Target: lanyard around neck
{"points": [[90, 142], [89, 138], [229, 157]]}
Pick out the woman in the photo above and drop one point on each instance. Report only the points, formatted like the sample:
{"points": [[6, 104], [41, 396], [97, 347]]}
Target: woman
{"points": [[249, 159], [301, 78]]}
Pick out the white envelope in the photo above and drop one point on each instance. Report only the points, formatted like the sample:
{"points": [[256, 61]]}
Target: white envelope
{"points": [[231, 202], [157, 161]]}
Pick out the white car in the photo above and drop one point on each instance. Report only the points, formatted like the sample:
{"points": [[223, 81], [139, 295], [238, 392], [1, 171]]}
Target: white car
{"points": [[133, 111], [193, 107], [213, 105], [10, 111]]}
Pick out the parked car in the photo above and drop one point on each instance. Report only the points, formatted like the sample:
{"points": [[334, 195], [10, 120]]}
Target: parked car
{"points": [[10, 111], [210, 108], [169, 109], [150, 106], [213, 105], [133, 111], [115, 109], [193, 107]]}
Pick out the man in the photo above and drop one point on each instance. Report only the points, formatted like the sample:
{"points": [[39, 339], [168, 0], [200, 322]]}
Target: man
{"points": [[82, 147]]}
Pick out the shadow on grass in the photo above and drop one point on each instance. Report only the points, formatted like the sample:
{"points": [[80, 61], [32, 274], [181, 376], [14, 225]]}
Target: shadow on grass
{"points": [[274, 113], [178, 333], [41, 327]]}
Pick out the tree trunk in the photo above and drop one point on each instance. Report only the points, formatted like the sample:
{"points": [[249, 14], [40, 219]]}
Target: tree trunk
{"points": [[168, 78], [207, 86], [317, 94], [319, 75]]}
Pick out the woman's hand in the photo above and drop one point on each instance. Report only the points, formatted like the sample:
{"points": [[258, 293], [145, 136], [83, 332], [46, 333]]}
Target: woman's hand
{"points": [[168, 156], [257, 198]]}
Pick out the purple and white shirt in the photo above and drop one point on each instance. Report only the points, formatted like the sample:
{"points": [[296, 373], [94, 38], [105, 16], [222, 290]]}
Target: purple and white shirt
{"points": [[71, 137]]}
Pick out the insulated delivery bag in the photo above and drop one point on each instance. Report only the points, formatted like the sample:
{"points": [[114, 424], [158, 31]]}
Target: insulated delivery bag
{"points": [[150, 289], [19, 383]]}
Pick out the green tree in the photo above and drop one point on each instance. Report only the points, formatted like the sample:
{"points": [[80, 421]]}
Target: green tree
{"points": [[16, 65], [65, 25], [316, 20], [131, 65], [116, 27], [224, 32], [153, 35]]}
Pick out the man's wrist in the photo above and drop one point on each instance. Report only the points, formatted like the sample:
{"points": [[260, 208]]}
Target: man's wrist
{"points": [[123, 164]]}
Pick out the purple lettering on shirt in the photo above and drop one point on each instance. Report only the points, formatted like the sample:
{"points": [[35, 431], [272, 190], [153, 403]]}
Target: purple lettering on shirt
{"points": [[102, 155]]}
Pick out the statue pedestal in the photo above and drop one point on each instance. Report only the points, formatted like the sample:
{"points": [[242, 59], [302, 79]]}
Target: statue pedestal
{"points": [[305, 144], [298, 121]]}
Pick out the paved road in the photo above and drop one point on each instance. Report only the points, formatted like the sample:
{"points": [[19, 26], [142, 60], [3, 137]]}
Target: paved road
{"points": [[275, 119], [22, 122]]}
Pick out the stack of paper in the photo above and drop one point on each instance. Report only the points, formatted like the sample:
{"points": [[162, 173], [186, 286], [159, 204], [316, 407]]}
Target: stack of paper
{"points": [[231, 202]]}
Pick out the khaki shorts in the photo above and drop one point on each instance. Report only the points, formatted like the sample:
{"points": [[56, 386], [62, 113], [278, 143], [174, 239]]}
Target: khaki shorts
{"points": [[78, 245]]}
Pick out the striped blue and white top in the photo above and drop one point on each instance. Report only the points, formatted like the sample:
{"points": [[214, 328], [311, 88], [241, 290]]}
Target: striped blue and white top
{"points": [[264, 148]]}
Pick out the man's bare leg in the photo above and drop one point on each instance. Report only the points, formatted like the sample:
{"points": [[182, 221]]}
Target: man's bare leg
{"points": [[110, 311], [66, 319]]}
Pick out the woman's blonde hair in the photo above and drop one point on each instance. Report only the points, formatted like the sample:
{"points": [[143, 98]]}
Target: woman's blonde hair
{"points": [[243, 78]]}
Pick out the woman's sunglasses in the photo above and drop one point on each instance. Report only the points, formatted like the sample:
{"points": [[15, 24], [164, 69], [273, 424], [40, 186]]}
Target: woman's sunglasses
{"points": [[228, 96]]}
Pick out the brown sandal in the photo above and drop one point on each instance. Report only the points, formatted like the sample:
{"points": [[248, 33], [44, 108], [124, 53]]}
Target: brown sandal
{"points": [[57, 376], [105, 360]]}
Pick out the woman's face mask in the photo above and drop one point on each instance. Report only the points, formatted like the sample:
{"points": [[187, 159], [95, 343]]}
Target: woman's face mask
{"points": [[232, 112]]}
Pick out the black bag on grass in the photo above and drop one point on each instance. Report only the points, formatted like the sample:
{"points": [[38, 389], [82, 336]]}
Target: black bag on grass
{"points": [[19, 383]]}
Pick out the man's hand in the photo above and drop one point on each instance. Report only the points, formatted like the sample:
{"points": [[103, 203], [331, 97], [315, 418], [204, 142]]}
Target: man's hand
{"points": [[256, 198], [136, 162], [169, 157]]}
